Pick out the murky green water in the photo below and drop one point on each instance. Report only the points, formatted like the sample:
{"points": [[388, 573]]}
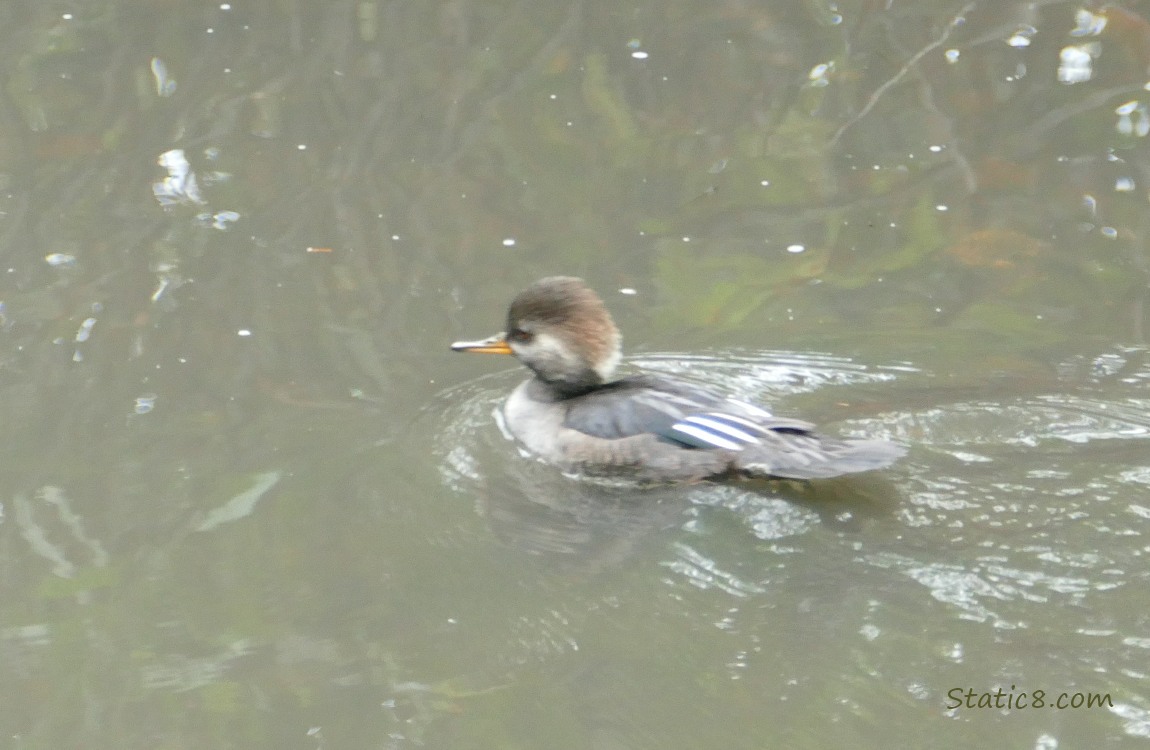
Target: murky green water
{"points": [[250, 500]]}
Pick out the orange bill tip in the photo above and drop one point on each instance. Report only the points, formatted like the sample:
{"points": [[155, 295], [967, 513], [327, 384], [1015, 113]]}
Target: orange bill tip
{"points": [[497, 344]]}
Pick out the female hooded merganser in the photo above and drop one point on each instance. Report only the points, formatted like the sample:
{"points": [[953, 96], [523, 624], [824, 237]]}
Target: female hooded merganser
{"points": [[573, 415]]}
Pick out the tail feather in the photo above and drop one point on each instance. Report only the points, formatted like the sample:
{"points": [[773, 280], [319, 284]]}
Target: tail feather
{"points": [[819, 458]]}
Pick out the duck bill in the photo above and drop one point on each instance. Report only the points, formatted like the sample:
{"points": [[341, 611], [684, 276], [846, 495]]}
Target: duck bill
{"points": [[497, 344]]}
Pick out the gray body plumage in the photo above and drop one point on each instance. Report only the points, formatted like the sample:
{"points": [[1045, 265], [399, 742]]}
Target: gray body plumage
{"points": [[628, 427]]}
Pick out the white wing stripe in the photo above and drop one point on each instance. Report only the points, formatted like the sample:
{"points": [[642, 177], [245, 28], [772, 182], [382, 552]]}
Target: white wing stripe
{"points": [[739, 420], [712, 422], [706, 436]]}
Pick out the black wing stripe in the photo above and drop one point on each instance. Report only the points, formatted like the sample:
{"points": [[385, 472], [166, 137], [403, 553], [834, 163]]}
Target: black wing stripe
{"points": [[723, 424], [739, 422], [701, 437]]}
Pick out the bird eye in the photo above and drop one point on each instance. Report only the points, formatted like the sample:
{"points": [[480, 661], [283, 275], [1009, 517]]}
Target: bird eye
{"points": [[518, 335]]}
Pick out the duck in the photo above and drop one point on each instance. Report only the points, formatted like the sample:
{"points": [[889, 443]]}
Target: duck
{"points": [[575, 414]]}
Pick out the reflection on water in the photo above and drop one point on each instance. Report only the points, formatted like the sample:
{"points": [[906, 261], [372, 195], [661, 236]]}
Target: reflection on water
{"points": [[237, 237]]}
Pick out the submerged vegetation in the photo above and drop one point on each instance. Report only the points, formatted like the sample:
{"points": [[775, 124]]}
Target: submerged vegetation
{"points": [[210, 210]]}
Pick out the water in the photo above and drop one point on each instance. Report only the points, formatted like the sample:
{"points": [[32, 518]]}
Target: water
{"points": [[250, 499]]}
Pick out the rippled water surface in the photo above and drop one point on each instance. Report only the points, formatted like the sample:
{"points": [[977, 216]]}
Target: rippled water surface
{"points": [[249, 499], [1001, 546]]}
